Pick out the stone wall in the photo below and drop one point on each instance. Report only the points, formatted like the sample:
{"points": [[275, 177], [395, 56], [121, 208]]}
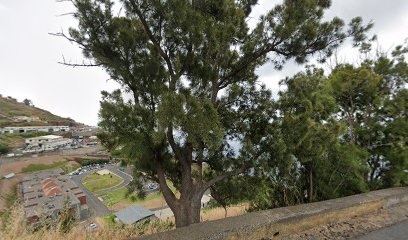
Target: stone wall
{"points": [[277, 223]]}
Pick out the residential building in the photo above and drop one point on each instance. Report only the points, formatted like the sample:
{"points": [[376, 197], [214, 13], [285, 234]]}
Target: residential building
{"points": [[34, 129], [46, 143], [26, 119], [46, 194]]}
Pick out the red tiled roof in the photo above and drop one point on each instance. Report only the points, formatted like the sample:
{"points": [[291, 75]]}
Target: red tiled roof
{"points": [[50, 187]]}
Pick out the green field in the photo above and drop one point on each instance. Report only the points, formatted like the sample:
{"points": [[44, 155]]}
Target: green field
{"points": [[65, 166], [120, 195], [95, 182]]}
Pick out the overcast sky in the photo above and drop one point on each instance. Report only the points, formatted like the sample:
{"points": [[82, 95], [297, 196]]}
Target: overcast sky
{"points": [[29, 55]]}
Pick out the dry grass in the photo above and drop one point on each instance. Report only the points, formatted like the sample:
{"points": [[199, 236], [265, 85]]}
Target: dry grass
{"points": [[16, 229], [21, 163], [219, 213]]}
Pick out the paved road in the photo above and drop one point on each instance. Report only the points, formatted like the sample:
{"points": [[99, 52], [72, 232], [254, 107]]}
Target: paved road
{"points": [[97, 208], [398, 231]]}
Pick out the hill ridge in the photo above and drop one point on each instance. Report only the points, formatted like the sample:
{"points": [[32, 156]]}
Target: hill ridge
{"points": [[15, 114]]}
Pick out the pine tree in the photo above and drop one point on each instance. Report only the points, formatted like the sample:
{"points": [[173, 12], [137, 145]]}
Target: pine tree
{"points": [[188, 68]]}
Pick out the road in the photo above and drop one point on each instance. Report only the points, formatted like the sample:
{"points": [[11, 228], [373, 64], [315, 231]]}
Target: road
{"points": [[398, 231], [97, 208]]}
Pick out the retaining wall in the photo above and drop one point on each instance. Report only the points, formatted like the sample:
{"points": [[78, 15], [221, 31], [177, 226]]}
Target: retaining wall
{"points": [[276, 223]]}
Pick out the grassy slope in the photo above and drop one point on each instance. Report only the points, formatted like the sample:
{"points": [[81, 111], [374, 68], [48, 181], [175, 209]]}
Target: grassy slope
{"points": [[65, 166], [17, 140], [10, 108]]}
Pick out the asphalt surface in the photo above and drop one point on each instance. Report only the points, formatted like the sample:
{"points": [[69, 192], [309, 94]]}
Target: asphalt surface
{"points": [[398, 231], [96, 207]]}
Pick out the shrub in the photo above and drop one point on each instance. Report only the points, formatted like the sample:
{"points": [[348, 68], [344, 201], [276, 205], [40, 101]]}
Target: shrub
{"points": [[4, 148]]}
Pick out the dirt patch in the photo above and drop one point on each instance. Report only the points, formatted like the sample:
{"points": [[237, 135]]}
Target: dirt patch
{"points": [[356, 226], [17, 167]]}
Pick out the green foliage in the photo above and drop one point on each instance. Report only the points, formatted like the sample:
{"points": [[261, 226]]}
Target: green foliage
{"points": [[66, 219], [335, 135], [4, 148], [87, 162], [189, 69]]}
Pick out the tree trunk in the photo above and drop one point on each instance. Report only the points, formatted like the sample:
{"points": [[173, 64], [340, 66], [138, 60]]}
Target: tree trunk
{"points": [[310, 185], [187, 212]]}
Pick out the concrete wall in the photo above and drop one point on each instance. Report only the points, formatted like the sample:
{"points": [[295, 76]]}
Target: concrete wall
{"points": [[276, 223]]}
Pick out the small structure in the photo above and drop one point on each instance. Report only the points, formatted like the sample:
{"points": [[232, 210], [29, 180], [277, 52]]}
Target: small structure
{"points": [[134, 214], [10, 175], [104, 172], [205, 200]]}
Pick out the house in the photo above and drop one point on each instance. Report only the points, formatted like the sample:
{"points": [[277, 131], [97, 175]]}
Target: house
{"points": [[26, 119], [134, 214]]}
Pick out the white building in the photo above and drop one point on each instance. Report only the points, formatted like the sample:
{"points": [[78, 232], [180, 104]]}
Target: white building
{"points": [[34, 129], [46, 143]]}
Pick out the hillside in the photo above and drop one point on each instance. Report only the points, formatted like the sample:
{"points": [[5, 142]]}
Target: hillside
{"points": [[14, 113]]}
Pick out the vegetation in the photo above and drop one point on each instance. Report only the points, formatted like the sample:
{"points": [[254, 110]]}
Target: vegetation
{"points": [[11, 200], [17, 140], [86, 162], [59, 230], [122, 195], [4, 148], [95, 182], [189, 67], [333, 135], [28, 102], [66, 166]]}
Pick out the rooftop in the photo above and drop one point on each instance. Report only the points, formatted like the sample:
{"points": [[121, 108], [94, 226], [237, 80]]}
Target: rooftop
{"points": [[46, 137], [47, 191], [133, 214]]}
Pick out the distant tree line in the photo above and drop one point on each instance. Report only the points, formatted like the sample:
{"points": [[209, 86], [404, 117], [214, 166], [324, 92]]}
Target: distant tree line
{"points": [[331, 136]]}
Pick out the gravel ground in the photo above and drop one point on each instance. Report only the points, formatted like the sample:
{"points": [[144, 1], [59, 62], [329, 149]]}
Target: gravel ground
{"points": [[357, 226]]}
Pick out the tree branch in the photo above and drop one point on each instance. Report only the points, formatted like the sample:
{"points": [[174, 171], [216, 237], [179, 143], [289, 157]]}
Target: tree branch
{"points": [[221, 177], [156, 43]]}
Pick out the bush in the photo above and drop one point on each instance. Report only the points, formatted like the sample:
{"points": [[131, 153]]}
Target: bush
{"points": [[86, 162], [4, 149]]}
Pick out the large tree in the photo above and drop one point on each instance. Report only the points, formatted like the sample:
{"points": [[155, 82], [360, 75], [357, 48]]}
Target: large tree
{"points": [[189, 88]]}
